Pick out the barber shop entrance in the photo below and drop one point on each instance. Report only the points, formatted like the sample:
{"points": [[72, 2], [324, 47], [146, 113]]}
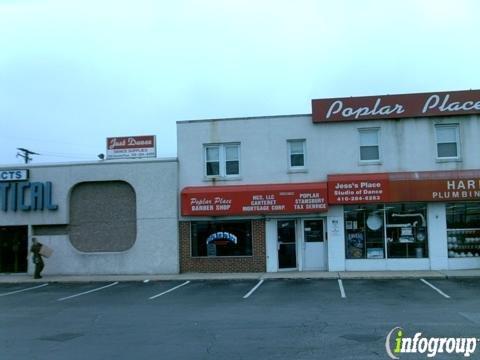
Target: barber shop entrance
{"points": [[13, 249], [293, 215]]}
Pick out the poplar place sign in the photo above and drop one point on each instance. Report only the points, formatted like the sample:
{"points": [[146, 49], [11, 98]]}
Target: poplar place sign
{"points": [[396, 106]]}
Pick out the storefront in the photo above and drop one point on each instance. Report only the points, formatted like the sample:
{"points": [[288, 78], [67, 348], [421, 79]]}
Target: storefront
{"points": [[411, 220], [115, 217], [254, 228], [401, 195]]}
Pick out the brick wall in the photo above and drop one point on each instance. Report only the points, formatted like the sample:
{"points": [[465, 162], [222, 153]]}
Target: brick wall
{"points": [[255, 263]]}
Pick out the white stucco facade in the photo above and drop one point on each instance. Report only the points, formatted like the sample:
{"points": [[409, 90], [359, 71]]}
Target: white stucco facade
{"points": [[331, 148], [405, 145], [155, 249]]}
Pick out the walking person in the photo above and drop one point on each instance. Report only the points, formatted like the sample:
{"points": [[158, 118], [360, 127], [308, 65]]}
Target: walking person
{"points": [[37, 258]]}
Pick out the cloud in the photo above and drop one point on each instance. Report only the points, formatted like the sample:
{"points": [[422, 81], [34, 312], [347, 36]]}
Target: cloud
{"points": [[89, 69]]}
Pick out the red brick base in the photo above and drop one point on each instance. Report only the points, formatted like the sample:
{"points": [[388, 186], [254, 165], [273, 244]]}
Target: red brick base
{"points": [[255, 263]]}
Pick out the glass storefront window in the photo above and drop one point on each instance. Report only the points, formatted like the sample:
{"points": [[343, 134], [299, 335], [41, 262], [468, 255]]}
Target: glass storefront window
{"points": [[406, 230], [400, 229], [364, 232], [221, 238], [463, 229]]}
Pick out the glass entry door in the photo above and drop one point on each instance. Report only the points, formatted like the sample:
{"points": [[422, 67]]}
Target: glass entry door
{"points": [[287, 253], [13, 249], [314, 244]]}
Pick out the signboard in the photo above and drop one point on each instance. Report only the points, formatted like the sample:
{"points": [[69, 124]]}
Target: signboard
{"points": [[129, 147], [358, 189], [428, 186], [27, 196], [13, 175], [254, 199], [396, 106]]}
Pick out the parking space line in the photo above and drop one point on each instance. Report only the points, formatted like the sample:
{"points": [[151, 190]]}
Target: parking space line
{"points": [[435, 288], [88, 292], [342, 290], [170, 290], [22, 290], [253, 289]]}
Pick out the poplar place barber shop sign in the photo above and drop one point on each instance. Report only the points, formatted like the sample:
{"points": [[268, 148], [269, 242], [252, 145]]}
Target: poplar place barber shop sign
{"points": [[396, 106], [254, 199]]}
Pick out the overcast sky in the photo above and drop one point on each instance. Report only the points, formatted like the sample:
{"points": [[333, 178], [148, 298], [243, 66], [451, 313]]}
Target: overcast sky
{"points": [[75, 72]]}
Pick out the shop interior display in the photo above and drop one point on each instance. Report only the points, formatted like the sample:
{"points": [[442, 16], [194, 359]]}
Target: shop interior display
{"points": [[463, 243], [407, 238]]}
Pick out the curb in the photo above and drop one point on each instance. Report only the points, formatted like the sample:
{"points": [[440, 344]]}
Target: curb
{"points": [[405, 275]]}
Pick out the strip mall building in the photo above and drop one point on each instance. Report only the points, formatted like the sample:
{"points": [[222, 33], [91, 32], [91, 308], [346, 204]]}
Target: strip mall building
{"points": [[101, 217], [368, 183]]}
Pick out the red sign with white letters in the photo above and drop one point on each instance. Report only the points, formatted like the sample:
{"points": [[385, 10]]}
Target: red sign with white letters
{"points": [[443, 186], [131, 147], [254, 199], [358, 189], [427, 186], [396, 106]]}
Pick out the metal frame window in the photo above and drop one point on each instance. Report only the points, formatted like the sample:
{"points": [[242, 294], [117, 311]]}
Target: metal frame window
{"points": [[448, 141], [369, 144], [400, 229], [221, 238], [222, 160], [296, 154]]}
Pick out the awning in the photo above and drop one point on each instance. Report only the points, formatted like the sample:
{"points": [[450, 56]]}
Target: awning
{"points": [[404, 186], [254, 199]]}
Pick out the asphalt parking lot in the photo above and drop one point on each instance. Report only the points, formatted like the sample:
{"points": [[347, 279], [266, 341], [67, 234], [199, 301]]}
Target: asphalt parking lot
{"points": [[237, 319]]}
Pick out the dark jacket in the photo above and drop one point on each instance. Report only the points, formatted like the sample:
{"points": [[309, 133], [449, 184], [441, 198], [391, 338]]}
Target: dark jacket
{"points": [[35, 249]]}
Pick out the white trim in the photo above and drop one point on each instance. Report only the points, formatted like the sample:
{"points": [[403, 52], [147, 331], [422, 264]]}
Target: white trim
{"points": [[291, 168], [378, 161], [390, 264], [455, 126], [222, 160]]}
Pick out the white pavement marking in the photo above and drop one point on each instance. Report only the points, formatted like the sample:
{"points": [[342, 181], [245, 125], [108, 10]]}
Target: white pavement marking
{"points": [[254, 288], [88, 292], [170, 290], [435, 288], [27, 289], [342, 290]]}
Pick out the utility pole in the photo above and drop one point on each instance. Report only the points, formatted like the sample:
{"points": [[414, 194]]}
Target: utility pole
{"points": [[25, 154]]}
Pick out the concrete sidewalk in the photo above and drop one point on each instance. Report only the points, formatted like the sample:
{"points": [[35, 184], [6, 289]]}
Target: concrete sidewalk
{"points": [[444, 274]]}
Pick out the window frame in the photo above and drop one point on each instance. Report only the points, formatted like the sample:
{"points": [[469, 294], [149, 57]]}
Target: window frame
{"points": [[377, 130], [356, 225], [219, 223], [455, 126], [292, 168], [222, 160]]}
